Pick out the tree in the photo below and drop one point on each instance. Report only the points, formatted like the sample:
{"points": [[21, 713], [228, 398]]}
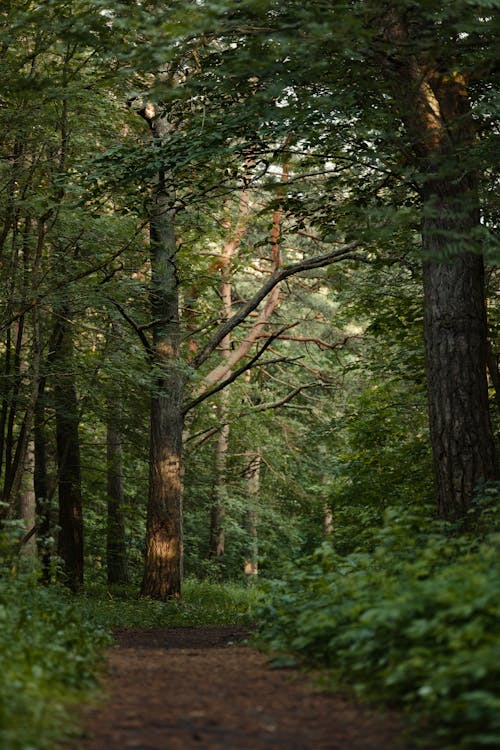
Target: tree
{"points": [[164, 543], [51, 244], [387, 131], [434, 103], [400, 92]]}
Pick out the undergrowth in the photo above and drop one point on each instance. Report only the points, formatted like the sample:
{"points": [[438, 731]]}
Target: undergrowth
{"points": [[413, 623], [51, 642], [202, 604], [49, 657]]}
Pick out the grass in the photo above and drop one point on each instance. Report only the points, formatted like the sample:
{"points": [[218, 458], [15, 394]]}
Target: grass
{"points": [[202, 604]]}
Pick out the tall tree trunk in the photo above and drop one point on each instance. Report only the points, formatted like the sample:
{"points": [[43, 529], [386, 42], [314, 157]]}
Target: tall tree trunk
{"points": [[15, 446], [164, 537], [327, 519], [70, 541], [27, 367], [217, 511], [116, 548], [455, 340], [436, 110]]}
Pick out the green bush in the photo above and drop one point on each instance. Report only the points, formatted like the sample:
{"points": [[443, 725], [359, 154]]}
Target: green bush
{"points": [[415, 623], [49, 655]]}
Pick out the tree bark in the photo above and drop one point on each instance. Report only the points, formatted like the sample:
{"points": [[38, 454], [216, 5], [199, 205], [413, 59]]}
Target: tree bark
{"points": [[27, 500], [163, 566], [217, 511], [455, 341], [435, 108], [70, 540], [251, 564], [327, 519]]}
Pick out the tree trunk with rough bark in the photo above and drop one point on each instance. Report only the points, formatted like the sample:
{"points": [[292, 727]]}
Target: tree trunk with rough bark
{"points": [[163, 566], [455, 341], [435, 107], [70, 540]]}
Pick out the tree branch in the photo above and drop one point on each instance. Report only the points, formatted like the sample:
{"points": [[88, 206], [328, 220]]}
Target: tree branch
{"points": [[138, 329], [318, 261], [320, 343], [191, 404], [78, 277], [287, 398], [204, 435]]}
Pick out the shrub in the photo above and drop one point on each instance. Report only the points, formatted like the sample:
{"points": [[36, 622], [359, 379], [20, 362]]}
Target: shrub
{"points": [[49, 655], [415, 623]]}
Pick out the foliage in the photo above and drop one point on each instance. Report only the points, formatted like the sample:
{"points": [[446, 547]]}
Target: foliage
{"points": [[415, 623], [49, 656]]}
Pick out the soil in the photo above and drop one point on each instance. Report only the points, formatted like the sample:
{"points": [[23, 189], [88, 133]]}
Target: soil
{"points": [[205, 689]]}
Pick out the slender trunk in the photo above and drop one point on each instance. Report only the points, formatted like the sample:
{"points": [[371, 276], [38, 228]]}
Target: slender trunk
{"points": [[116, 548], [27, 367], [164, 537], [327, 519], [27, 500], [11, 465], [217, 511], [4, 412], [70, 541], [251, 565], [43, 514]]}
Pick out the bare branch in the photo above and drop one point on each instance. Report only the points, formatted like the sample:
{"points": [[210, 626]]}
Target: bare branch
{"points": [[204, 435], [318, 261], [29, 534], [288, 397], [236, 374]]}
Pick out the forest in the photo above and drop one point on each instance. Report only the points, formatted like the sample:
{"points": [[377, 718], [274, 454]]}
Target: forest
{"points": [[250, 345]]}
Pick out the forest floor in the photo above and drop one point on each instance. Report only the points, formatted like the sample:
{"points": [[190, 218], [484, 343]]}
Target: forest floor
{"points": [[203, 689]]}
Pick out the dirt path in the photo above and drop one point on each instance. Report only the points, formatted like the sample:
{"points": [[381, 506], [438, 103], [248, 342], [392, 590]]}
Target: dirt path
{"points": [[200, 689]]}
